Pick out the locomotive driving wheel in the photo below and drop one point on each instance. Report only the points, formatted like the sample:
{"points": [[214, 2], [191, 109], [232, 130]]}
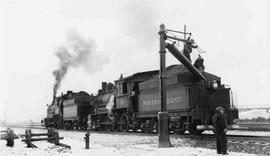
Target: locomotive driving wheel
{"points": [[124, 123], [181, 129], [192, 129], [145, 128]]}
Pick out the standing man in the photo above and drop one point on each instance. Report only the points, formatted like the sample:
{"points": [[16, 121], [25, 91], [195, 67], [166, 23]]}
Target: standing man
{"points": [[188, 48], [199, 63], [220, 128]]}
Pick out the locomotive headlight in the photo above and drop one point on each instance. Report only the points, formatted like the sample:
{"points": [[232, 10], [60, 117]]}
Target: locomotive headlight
{"points": [[214, 85]]}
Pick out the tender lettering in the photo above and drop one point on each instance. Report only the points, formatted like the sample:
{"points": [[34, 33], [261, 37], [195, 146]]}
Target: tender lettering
{"points": [[170, 100]]}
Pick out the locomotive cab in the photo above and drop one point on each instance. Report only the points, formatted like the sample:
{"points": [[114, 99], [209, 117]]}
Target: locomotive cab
{"points": [[127, 91]]}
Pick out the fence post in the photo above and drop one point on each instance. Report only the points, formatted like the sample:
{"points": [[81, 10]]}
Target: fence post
{"points": [[28, 137], [50, 134], [56, 138], [10, 137]]}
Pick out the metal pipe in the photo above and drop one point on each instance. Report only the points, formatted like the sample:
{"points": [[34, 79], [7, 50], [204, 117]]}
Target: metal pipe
{"points": [[162, 70], [184, 35], [185, 29], [178, 31], [163, 116]]}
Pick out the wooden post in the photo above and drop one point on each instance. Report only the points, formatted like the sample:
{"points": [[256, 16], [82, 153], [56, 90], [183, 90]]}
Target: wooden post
{"points": [[56, 138], [50, 135], [28, 137], [53, 137], [10, 137]]}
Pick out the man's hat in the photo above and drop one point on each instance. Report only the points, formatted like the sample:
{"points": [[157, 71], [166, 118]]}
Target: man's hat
{"points": [[219, 109]]}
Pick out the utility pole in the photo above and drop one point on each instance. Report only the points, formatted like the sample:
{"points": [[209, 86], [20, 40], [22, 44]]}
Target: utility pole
{"points": [[185, 29], [163, 116]]}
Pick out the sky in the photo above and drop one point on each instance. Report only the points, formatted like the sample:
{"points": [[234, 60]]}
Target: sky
{"points": [[123, 38]]}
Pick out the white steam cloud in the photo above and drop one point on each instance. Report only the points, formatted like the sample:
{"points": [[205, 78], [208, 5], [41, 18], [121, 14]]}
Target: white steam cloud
{"points": [[78, 52]]}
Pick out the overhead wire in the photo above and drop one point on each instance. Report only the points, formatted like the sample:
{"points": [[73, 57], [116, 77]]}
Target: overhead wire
{"points": [[172, 32]]}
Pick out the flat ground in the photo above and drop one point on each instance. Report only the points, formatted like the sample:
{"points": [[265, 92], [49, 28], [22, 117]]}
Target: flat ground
{"points": [[112, 144]]}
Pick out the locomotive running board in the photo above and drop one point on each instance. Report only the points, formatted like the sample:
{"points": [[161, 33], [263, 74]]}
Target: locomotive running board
{"points": [[180, 57]]}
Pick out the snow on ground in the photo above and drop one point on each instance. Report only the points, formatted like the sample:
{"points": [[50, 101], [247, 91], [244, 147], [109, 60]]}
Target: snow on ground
{"points": [[242, 132], [255, 113], [112, 144]]}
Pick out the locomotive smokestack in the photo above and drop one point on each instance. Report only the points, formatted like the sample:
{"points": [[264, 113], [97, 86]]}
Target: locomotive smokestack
{"points": [[104, 86], [110, 86], [69, 92]]}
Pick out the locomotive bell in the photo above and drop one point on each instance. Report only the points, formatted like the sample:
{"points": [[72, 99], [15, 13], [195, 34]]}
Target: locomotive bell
{"points": [[132, 93], [214, 84]]}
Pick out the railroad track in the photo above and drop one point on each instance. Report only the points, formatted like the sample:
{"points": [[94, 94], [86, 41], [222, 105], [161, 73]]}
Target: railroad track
{"points": [[253, 126], [236, 143], [249, 139], [241, 139]]}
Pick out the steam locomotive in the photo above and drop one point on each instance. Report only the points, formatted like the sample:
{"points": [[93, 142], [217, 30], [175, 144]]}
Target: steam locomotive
{"points": [[69, 111], [132, 103]]}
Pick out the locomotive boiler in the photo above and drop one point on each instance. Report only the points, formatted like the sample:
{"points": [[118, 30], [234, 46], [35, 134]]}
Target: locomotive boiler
{"points": [[104, 103]]}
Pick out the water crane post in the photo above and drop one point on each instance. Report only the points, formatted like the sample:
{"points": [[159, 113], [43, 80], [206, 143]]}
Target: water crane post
{"points": [[163, 116]]}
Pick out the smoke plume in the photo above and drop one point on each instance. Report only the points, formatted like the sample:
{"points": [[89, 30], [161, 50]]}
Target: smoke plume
{"points": [[109, 107], [77, 52]]}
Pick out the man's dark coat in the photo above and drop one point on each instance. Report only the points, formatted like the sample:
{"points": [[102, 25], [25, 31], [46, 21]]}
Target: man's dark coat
{"points": [[219, 127]]}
